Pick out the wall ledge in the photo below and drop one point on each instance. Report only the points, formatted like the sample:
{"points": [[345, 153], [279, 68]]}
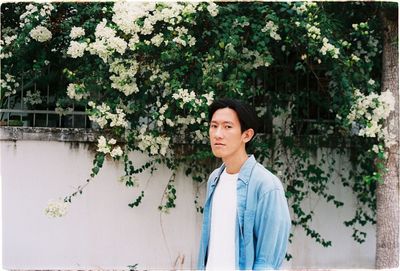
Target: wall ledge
{"points": [[48, 134]]}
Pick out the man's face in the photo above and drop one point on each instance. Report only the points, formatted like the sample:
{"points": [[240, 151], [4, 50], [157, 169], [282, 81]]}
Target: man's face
{"points": [[226, 137]]}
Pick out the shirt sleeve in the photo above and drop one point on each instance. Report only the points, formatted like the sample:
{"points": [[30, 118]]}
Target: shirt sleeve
{"points": [[271, 230]]}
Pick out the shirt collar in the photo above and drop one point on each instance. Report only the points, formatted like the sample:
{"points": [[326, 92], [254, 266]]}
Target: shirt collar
{"points": [[244, 173]]}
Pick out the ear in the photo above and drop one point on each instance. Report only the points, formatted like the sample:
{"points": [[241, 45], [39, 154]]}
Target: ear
{"points": [[247, 135]]}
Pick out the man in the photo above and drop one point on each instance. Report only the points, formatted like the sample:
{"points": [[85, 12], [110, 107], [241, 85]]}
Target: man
{"points": [[246, 220]]}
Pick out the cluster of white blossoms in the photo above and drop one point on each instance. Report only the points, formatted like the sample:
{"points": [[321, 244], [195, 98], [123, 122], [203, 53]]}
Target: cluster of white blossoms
{"points": [[367, 50], [257, 60], [212, 9], [34, 15], [76, 49], [4, 42], [209, 97], [272, 29], [185, 97], [40, 33], [157, 39], [56, 208], [155, 144], [355, 58], [182, 36], [8, 85], [106, 42], [76, 91], [163, 76], [106, 147], [123, 78], [361, 27], [32, 98], [303, 7], [327, 47], [127, 13], [101, 115], [373, 109], [161, 116], [240, 24], [377, 148], [313, 31], [76, 32]]}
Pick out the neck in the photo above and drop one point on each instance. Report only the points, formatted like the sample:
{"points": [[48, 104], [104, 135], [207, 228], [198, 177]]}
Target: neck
{"points": [[234, 162]]}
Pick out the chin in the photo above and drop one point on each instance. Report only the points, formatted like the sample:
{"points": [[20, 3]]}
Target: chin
{"points": [[218, 153]]}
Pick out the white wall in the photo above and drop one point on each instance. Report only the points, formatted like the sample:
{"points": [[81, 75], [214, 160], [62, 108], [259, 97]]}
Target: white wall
{"points": [[100, 231]]}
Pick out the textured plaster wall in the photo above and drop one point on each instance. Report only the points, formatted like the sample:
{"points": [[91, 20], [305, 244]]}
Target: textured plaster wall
{"points": [[100, 231]]}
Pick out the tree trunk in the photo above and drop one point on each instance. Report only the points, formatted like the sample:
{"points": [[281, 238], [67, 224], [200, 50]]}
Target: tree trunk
{"points": [[387, 226]]}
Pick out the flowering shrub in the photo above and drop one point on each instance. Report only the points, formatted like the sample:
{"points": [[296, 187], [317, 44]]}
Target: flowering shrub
{"points": [[56, 208], [369, 112], [147, 72]]}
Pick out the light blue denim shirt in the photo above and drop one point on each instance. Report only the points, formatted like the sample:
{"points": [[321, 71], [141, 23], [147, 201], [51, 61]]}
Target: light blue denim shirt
{"points": [[263, 220]]}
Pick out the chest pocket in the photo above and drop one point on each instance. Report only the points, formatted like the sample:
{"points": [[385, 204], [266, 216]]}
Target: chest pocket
{"points": [[248, 225]]}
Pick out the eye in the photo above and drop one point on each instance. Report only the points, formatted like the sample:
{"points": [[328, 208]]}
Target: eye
{"points": [[213, 126], [228, 126]]}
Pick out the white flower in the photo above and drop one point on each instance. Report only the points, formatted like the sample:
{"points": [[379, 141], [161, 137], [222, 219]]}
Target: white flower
{"points": [[212, 9], [327, 47], [127, 12], [56, 208], [355, 58], [116, 152], [156, 145], [9, 39], [112, 141], [209, 97], [106, 42], [375, 148], [272, 28], [8, 85], [371, 82], [117, 119], [102, 145], [313, 31], [72, 91], [163, 109], [192, 41], [104, 32], [374, 109], [32, 98], [40, 33], [123, 78], [76, 49], [133, 41], [170, 122], [77, 32], [157, 40]]}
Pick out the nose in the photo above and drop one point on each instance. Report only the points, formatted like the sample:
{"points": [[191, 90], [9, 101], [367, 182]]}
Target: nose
{"points": [[218, 132]]}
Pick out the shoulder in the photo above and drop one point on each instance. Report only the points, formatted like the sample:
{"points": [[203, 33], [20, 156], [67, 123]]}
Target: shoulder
{"points": [[264, 180]]}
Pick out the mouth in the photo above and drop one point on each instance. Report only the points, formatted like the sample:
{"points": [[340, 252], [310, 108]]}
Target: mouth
{"points": [[219, 144]]}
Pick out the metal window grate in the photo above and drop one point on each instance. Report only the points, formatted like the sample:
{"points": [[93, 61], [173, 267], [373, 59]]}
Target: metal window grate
{"points": [[16, 111]]}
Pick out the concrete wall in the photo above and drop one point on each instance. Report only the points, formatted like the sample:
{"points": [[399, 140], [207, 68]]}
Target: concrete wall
{"points": [[100, 231]]}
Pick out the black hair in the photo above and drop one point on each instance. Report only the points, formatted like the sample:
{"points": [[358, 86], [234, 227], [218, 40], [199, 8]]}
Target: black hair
{"points": [[246, 114]]}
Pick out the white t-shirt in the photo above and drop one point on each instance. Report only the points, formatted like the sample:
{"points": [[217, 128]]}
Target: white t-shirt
{"points": [[221, 250]]}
